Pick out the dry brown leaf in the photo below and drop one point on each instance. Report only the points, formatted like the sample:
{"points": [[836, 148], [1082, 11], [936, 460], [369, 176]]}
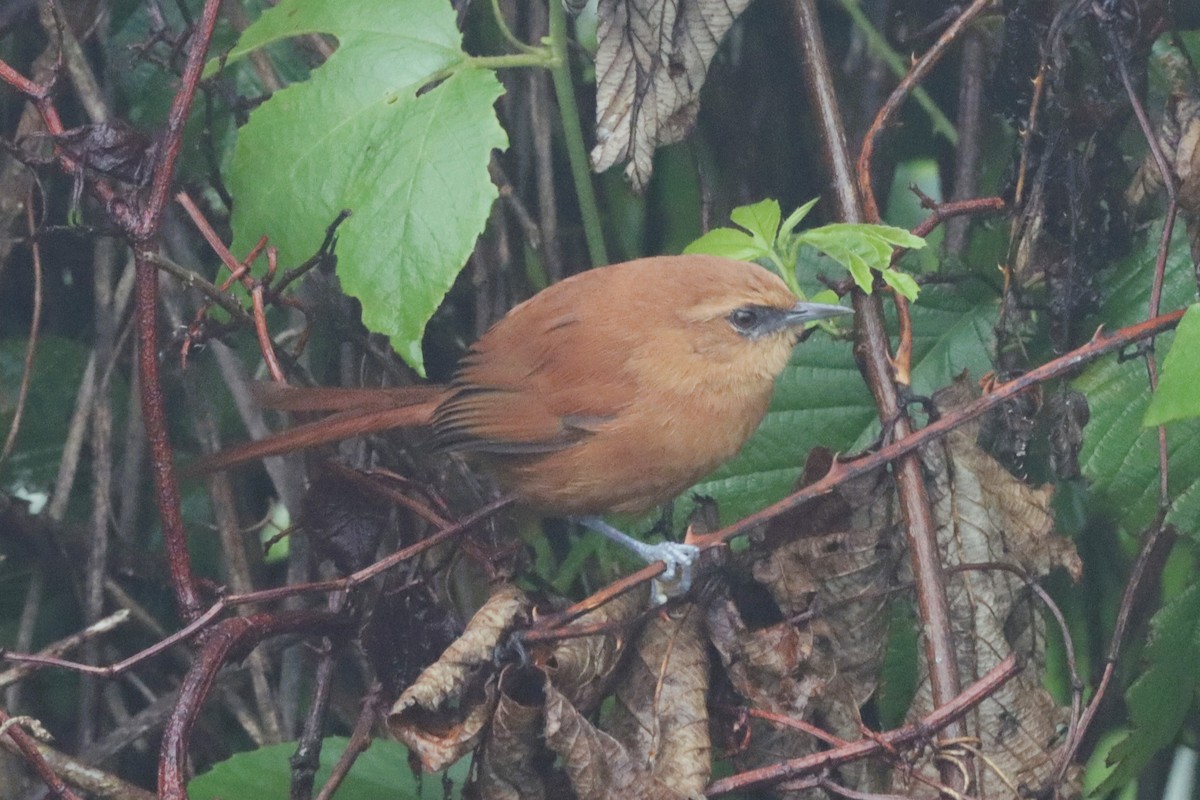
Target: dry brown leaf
{"points": [[582, 666], [1179, 139], [442, 715], [598, 766], [513, 763], [766, 666], [984, 514], [650, 65], [834, 559], [661, 710]]}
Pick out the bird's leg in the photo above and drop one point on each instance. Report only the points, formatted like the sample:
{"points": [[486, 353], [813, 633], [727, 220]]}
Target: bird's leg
{"points": [[677, 557]]}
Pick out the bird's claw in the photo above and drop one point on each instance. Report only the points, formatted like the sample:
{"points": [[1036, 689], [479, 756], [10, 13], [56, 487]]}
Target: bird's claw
{"points": [[679, 560]]}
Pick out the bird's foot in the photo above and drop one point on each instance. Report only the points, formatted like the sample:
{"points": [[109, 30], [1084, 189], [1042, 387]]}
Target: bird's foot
{"points": [[676, 579], [679, 558]]}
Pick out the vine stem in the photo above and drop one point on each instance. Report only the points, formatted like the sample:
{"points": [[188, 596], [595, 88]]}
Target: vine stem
{"points": [[564, 90]]}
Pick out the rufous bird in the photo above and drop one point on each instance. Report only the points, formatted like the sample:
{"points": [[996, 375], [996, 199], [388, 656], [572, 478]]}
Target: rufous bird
{"points": [[611, 391]]}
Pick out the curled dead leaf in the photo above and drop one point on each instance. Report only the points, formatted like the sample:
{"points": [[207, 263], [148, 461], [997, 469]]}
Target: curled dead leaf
{"points": [[831, 573], [442, 715], [514, 764], [582, 666]]}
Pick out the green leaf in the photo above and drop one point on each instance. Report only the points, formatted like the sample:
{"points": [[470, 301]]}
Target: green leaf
{"points": [[1098, 769], [861, 248], [729, 243], [761, 219], [373, 131], [902, 282], [796, 217], [381, 771], [897, 237], [1161, 697], [1176, 397], [898, 676], [1119, 455]]}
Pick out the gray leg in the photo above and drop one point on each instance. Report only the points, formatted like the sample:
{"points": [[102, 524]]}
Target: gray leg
{"points": [[678, 557]]}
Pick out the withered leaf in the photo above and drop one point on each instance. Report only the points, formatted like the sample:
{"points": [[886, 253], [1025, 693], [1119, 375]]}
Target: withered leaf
{"points": [[984, 515], [598, 766], [514, 763], [344, 522], [661, 712], [443, 714], [767, 666], [650, 65], [111, 148], [1179, 138], [581, 666], [830, 572]]}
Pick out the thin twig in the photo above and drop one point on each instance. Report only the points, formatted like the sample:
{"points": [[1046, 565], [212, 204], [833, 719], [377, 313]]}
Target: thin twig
{"points": [[35, 325]]}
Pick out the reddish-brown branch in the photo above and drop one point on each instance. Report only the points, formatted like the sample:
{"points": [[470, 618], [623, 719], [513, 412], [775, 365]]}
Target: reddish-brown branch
{"points": [[944, 211], [360, 740], [143, 229], [260, 319], [874, 359], [892, 105], [1156, 544], [29, 750], [40, 96], [236, 635], [938, 719], [35, 326], [172, 137]]}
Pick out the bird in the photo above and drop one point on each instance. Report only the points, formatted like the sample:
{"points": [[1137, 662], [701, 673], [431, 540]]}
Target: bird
{"points": [[611, 391]]}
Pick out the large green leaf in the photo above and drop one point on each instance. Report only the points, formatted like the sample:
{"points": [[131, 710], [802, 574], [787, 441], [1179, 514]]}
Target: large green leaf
{"points": [[1119, 455], [821, 399], [1161, 697], [396, 126], [382, 771], [1174, 398]]}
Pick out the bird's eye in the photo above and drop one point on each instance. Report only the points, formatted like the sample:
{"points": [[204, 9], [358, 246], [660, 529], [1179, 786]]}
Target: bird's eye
{"points": [[744, 320]]}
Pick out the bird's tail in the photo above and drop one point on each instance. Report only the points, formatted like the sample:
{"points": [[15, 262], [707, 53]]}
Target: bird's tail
{"points": [[356, 412]]}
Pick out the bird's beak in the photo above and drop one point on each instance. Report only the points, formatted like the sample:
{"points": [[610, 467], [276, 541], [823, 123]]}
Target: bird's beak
{"points": [[803, 313]]}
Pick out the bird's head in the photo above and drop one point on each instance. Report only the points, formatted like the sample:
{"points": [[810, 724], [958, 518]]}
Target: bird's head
{"points": [[742, 314]]}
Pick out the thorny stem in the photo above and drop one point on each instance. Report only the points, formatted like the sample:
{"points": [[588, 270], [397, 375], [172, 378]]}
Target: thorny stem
{"points": [[35, 326], [141, 222], [143, 230], [29, 751], [233, 635], [878, 44], [871, 351]]}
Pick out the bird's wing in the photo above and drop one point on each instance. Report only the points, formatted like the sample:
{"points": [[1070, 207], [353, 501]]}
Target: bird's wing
{"points": [[543, 387]]}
